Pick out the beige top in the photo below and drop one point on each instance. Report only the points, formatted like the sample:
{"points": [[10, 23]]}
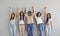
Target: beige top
{"points": [[30, 20]]}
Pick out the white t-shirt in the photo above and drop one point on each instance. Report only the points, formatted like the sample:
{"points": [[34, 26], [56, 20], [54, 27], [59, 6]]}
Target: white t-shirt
{"points": [[12, 21], [39, 20], [21, 21]]}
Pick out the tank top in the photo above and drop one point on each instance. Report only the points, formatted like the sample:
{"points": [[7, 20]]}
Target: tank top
{"points": [[21, 21]]}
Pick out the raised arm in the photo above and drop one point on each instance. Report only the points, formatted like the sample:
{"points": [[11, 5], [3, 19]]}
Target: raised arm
{"points": [[44, 11], [33, 11], [25, 10], [17, 12], [10, 10]]}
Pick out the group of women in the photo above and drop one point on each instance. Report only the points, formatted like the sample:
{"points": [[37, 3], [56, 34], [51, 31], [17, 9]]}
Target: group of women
{"points": [[43, 21]]}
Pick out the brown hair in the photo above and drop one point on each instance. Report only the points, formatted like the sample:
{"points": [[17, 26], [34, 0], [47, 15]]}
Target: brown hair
{"points": [[48, 17], [37, 14], [29, 13], [20, 15], [11, 16]]}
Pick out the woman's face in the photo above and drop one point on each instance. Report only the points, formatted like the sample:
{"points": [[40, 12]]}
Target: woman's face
{"points": [[39, 14], [13, 16], [48, 15], [21, 14], [29, 13]]}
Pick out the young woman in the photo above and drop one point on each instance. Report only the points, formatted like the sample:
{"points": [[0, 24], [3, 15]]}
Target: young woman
{"points": [[48, 24], [21, 22], [12, 24], [40, 22], [30, 23]]}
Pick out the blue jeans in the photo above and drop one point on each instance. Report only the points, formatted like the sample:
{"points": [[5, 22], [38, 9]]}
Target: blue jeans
{"points": [[13, 29], [48, 29], [30, 29], [41, 28]]}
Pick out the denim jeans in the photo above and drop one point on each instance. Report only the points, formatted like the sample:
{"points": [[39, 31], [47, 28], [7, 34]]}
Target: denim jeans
{"points": [[41, 28], [13, 29], [48, 29], [30, 29]]}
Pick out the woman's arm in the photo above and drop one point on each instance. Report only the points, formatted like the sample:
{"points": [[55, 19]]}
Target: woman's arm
{"points": [[33, 9], [33, 13], [17, 12], [25, 11], [10, 11], [43, 14], [51, 25]]}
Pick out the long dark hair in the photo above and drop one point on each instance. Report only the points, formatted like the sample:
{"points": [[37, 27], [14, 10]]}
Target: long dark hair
{"points": [[48, 17], [37, 14], [29, 13], [21, 15], [11, 16]]}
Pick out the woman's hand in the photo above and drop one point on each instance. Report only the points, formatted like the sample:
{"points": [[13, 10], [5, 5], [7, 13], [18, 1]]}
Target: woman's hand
{"points": [[17, 12], [33, 13], [44, 11], [25, 11], [33, 9]]}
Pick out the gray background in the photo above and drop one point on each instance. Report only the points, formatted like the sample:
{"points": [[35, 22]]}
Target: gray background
{"points": [[53, 6]]}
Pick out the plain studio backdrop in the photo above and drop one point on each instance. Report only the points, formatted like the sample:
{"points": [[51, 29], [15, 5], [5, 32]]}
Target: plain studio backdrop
{"points": [[53, 6]]}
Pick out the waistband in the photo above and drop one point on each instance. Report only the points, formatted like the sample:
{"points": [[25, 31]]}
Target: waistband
{"points": [[31, 23], [41, 23]]}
